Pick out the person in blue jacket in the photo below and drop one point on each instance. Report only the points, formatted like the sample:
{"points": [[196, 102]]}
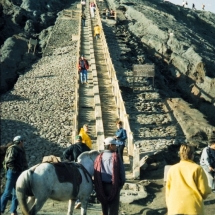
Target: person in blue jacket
{"points": [[120, 137]]}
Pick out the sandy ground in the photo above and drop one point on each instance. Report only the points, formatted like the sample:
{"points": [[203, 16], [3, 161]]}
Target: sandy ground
{"points": [[153, 204]]}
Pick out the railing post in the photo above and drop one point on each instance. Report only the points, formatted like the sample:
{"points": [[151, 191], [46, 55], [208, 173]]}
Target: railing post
{"points": [[118, 98], [76, 37], [136, 166]]}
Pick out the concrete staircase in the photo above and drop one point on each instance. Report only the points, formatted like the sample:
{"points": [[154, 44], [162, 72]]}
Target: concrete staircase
{"points": [[93, 52], [97, 103], [86, 103], [108, 103]]}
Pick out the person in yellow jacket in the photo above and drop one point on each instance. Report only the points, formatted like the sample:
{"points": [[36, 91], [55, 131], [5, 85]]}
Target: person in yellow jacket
{"points": [[186, 185], [85, 137], [97, 31]]}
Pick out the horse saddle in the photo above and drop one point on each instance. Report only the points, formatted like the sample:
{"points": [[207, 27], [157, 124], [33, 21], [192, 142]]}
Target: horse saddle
{"points": [[66, 172]]}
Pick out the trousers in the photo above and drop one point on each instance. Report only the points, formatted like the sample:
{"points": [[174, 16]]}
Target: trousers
{"points": [[111, 208], [83, 75], [10, 188], [210, 177], [120, 150]]}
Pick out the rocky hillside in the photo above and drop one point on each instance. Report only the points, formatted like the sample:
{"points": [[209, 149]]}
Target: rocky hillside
{"points": [[177, 40], [180, 38], [21, 20]]}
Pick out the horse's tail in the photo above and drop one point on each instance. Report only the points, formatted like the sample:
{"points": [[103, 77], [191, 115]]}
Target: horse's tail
{"points": [[23, 190]]}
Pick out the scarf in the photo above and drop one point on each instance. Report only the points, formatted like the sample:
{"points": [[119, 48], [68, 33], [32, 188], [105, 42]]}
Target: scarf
{"points": [[98, 180]]}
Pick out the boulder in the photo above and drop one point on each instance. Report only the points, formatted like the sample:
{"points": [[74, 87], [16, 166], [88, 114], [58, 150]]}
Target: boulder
{"points": [[19, 17], [131, 192], [12, 52], [29, 26], [42, 6]]}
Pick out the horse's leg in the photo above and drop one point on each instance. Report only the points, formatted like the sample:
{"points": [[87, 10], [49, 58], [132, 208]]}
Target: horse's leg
{"points": [[30, 202], [71, 206], [38, 204], [84, 203]]}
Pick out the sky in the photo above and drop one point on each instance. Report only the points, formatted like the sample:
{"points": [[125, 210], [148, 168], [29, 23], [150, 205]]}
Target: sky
{"points": [[209, 4]]}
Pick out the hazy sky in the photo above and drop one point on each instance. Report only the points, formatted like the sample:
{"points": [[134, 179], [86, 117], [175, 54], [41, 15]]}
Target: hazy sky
{"points": [[209, 4]]}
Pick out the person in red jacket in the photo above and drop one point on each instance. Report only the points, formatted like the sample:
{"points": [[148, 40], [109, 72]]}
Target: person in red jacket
{"points": [[83, 66]]}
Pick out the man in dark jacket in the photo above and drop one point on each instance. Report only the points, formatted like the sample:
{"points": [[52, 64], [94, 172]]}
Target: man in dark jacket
{"points": [[75, 150], [15, 162]]}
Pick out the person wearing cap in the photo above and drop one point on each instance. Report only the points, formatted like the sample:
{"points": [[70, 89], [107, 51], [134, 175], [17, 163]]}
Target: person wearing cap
{"points": [[109, 177], [72, 153], [15, 163], [207, 161], [83, 66], [85, 137]]}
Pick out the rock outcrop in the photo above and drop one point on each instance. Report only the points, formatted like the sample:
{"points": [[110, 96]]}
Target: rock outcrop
{"points": [[20, 21], [183, 39], [180, 37]]}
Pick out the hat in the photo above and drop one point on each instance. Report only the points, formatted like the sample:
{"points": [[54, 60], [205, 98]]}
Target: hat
{"points": [[78, 137], [110, 140], [82, 55], [17, 139]]}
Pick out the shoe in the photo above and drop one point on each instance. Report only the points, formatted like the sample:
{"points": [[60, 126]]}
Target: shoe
{"points": [[78, 206]]}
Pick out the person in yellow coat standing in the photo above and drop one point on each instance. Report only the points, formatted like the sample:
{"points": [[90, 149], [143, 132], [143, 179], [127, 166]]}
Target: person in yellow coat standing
{"points": [[186, 185], [85, 137], [97, 31]]}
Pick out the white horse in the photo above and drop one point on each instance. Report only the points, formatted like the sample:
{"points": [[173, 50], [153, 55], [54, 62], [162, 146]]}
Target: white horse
{"points": [[41, 182]]}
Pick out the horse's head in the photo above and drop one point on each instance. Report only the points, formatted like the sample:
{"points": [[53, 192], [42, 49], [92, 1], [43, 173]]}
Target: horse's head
{"points": [[87, 160]]}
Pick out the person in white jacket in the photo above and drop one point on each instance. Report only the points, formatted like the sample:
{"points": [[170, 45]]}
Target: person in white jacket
{"points": [[207, 161], [92, 9]]}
